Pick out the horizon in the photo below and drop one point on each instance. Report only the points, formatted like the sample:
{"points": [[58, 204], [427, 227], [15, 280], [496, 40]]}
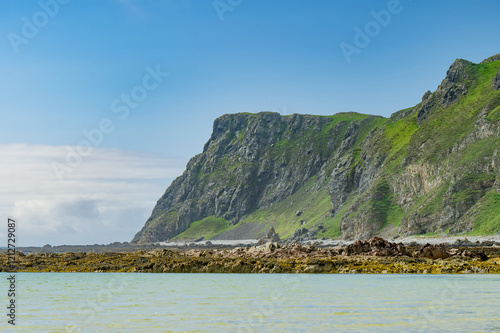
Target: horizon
{"points": [[104, 103]]}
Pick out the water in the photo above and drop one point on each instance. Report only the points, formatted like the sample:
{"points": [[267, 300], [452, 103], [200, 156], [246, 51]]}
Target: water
{"points": [[114, 302]]}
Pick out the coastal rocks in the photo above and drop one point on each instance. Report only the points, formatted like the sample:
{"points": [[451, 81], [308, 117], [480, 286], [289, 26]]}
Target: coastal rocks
{"points": [[376, 255], [272, 236], [376, 246], [439, 251], [469, 254], [433, 252], [269, 258]]}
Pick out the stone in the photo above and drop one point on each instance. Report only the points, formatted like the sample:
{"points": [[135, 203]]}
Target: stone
{"points": [[495, 57], [271, 232], [496, 81], [434, 251]]}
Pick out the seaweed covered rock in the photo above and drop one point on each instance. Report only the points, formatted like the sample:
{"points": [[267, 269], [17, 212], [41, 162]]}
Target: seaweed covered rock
{"points": [[433, 252], [377, 247]]}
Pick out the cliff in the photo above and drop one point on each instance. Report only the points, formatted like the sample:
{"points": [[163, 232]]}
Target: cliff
{"points": [[432, 168]]}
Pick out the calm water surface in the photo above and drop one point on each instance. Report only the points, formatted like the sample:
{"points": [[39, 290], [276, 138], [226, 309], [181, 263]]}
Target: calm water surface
{"points": [[114, 302]]}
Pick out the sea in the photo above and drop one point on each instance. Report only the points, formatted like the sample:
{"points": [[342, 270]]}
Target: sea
{"points": [[146, 302]]}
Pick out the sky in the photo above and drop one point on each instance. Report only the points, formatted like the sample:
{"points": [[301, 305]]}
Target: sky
{"points": [[103, 102]]}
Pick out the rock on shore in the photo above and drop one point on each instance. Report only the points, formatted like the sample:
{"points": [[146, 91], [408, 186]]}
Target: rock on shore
{"points": [[373, 256]]}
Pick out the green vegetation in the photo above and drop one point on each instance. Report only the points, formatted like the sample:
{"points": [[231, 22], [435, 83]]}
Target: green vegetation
{"points": [[448, 125], [208, 228], [333, 223], [314, 208], [382, 205], [488, 217], [395, 140]]}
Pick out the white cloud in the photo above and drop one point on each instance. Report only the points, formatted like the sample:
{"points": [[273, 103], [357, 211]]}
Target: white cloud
{"points": [[107, 198]]}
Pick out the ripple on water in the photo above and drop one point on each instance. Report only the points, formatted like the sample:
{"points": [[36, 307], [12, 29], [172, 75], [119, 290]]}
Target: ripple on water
{"points": [[115, 302]]}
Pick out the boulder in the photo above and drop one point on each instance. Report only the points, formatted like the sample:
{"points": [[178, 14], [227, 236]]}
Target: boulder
{"points": [[376, 246], [434, 252]]}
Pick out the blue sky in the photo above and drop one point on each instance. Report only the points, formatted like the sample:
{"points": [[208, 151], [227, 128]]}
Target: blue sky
{"points": [[264, 55]]}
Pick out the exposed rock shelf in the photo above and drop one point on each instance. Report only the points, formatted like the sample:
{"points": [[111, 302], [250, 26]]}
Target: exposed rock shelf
{"points": [[374, 256]]}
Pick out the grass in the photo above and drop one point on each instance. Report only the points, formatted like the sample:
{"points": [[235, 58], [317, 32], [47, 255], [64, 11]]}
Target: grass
{"points": [[208, 228], [333, 224], [488, 217], [313, 205]]}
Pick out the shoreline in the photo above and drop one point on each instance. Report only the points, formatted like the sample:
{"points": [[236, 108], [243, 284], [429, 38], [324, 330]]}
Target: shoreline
{"points": [[373, 256], [467, 241]]}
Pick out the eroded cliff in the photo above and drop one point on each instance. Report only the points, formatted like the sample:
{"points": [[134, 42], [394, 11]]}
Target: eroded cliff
{"points": [[432, 168]]}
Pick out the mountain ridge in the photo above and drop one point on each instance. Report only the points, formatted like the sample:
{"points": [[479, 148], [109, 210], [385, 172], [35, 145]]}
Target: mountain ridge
{"points": [[431, 168]]}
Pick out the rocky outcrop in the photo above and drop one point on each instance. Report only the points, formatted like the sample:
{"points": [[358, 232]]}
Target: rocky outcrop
{"points": [[496, 57], [433, 252], [496, 81], [440, 251], [376, 246], [457, 82], [271, 237], [374, 256]]}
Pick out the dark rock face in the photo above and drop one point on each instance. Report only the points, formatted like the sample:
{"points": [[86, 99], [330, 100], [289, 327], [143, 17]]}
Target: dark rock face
{"points": [[250, 162], [496, 81], [301, 234]]}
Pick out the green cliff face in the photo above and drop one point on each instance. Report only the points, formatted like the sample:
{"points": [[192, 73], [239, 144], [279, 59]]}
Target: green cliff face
{"points": [[432, 168]]}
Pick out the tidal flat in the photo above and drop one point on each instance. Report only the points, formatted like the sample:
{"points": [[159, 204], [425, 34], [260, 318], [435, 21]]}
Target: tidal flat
{"points": [[372, 256]]}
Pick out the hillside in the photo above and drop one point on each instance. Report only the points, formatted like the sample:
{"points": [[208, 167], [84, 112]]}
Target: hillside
{"points": [[432, 168]]}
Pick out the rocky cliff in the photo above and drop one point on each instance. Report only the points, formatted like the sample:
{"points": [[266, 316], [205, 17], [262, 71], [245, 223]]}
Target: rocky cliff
{"points": [[432, 168]]}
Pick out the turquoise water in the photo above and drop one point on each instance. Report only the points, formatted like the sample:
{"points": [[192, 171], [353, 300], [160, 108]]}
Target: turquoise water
{"points": [[114, 302]]}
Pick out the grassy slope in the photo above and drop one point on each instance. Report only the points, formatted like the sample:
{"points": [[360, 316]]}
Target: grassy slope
{"points": [[443, 130], [208, 228], [314, 208]]}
